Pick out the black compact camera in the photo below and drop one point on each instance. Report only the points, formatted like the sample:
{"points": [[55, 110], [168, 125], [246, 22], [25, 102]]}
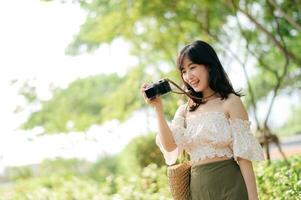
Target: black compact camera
{"points": [[157, 89]]}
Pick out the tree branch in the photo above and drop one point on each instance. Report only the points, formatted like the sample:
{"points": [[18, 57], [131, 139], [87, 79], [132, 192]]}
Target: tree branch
{"points": [[285, 69], [285, 16], [269, 34]]}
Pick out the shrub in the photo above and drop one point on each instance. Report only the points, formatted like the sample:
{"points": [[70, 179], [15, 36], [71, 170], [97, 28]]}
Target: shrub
{"points": [[280, 181]]}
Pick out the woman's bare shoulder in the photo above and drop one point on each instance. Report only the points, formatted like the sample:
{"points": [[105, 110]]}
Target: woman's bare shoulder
{"points": [[232, 99], [234, 107]]}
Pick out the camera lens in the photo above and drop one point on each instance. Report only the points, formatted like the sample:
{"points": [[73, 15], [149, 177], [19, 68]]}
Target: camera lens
{"points": [[150, 92]]}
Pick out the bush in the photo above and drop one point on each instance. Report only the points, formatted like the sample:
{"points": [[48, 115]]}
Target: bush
{"points": [[15, 173], [277, 181], [280, 181], [139, 153]]}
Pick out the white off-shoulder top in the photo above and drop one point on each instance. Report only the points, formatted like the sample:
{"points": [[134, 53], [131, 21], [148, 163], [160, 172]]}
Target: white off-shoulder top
{"points": [[212, 134]]}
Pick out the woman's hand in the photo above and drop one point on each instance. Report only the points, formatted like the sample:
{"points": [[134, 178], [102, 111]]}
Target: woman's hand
{"points": [[156, 102]]}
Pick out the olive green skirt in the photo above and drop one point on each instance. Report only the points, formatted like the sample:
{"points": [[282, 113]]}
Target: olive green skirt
{"points": [[221, 180]]}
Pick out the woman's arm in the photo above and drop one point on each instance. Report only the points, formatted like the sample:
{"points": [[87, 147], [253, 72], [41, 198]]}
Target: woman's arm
{"points": [[235, 108], [247, 171], [165, 133]]}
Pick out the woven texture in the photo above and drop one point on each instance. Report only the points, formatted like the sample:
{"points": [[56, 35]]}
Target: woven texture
{"points": [[179, 179]]}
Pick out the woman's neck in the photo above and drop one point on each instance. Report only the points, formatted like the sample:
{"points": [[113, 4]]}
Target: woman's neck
{"points": [[208, 93]]}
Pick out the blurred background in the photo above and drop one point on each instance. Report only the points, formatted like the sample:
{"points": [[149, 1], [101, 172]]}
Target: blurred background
{"points": [[74, 125]]}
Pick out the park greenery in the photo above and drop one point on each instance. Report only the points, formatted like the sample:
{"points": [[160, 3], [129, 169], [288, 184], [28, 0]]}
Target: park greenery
{"points": [[259, 37], [110, 178]]}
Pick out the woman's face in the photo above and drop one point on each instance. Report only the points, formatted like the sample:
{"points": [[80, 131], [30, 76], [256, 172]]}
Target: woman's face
{"points": [[196, 75]]}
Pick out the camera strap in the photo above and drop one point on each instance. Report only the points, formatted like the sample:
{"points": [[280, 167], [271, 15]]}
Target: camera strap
{"points": [[184, 92]]}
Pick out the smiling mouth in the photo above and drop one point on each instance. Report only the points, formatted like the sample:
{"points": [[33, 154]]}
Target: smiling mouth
{"points": [[194, 84]]}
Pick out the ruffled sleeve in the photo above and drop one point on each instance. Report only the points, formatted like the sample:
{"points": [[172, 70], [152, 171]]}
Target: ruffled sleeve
{"points": [[245, 144], [177, 129], [170, 157]]}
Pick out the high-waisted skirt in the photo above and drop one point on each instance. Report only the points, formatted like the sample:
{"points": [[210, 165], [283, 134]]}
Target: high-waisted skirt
{"points": [[221, 180]]}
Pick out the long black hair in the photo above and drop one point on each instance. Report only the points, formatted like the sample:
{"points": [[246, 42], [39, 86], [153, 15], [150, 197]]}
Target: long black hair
{"points": [[200, 52]]}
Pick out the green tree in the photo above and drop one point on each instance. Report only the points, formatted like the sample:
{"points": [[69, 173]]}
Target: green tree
{"points": [[80, 105], [263, 33]]}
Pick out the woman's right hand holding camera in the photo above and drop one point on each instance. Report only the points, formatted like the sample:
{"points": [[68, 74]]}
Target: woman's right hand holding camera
{"points": [[156, 102]]}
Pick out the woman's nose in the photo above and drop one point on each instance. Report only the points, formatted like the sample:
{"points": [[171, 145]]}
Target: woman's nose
{"points": [[189, 75], [186, 77]]}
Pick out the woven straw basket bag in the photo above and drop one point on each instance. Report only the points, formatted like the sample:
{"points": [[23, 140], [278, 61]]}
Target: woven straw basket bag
{"points": [[179, 180]]}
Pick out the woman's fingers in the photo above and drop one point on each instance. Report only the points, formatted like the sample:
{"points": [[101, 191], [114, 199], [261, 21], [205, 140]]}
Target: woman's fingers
{"points": [[142, 89], [155, 102]]}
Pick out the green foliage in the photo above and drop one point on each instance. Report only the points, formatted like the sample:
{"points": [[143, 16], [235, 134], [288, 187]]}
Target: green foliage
{"points": [[280, 181], [80, 104], [125, 98], [276, 181], [156, 30], [17, 173], [53, 187], [106, 166], [271, 59], [153, 30], [28, 92], [139, 153], [262, 86], [150, 184], [64, 167], [88, 101]]}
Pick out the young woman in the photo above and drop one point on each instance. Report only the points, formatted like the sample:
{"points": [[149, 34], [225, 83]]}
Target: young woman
{"points": [[217, 136]]}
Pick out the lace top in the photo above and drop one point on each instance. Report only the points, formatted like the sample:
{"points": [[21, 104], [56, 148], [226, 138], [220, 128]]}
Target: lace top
{"points": [[212, 134]]}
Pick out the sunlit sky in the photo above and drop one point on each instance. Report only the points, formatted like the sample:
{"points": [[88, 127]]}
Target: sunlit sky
{"points": [[33, 39]]}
